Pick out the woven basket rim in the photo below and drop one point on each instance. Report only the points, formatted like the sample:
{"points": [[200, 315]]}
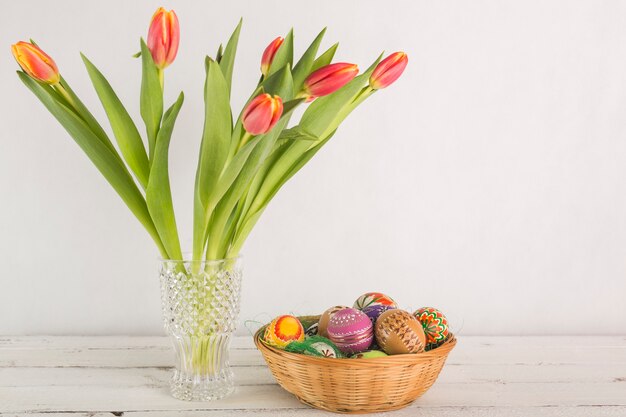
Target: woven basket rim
{"points": [[384, 361]]}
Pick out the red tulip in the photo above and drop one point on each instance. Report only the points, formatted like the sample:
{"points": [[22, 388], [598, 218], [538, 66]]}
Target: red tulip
{"points": [[36, 62], [388, 70], [163, 37], [262, 114], [329, 79], [269, 53]]}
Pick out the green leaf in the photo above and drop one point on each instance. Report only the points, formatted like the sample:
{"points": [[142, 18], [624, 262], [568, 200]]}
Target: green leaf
{"points": [[124, 129], [213, 150], [151, 104], [82, 111], [219, 54], [324, 59], [105, 161], [227, 59], [303, 68], [158, 192], [297, 133], [283, 56]]}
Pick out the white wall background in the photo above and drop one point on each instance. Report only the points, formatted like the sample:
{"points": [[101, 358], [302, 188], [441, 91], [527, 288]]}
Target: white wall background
{"points": [[489, 181]]}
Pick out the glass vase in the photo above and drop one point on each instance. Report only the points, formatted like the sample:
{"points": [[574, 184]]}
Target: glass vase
{"points": [[200, 303]]}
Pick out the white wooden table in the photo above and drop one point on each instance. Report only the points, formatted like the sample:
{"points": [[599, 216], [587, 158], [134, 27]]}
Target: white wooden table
{"points": [[485, 376]]}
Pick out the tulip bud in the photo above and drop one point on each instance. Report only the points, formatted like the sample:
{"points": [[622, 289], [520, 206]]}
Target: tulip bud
{"points": [[262, 114], [329, 79], [269, 53], [36, 62], [388, 70], [163, 37]]}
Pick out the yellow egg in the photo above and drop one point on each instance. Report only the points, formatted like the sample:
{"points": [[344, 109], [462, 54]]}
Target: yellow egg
{"points": [[284, 330]]}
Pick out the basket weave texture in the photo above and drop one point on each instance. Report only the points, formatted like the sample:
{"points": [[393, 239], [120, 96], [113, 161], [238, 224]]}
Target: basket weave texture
{"points": [[354, 386]]}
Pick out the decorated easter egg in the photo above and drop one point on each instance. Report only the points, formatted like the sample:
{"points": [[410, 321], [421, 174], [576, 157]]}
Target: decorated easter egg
{"points": [[374, 298], [311, 330], [283, 330], [369, 354], [398, 331], [315, 346], [434, 323], [325, 317], [351, 330], [375, 310]]}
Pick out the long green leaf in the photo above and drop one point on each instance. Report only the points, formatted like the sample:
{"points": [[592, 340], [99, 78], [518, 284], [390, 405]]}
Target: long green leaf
{"points": [[227, 58], [105, 161], [303, 68], [124, 129], [213, 150], [325, 59], [85, 114], [151, 102], [158, 193]]}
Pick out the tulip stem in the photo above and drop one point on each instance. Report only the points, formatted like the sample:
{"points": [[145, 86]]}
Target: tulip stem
{"points": [[244, 139], [161, 77], [59, 88]]}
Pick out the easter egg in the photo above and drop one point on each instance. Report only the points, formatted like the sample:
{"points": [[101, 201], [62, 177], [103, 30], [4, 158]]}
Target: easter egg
{"points": [[375, 310], [325, 317], [369, 354], [434, 323], [315, 346], [283, 330], [374, 298], [398, 331], [351, 330], [311, 330]]}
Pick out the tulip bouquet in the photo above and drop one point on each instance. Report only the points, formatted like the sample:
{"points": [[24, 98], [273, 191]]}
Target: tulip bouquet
{"points": [[242, 163]]}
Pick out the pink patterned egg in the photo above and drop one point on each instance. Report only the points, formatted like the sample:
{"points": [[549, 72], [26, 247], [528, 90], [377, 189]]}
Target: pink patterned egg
{"points": [[351, 330]]}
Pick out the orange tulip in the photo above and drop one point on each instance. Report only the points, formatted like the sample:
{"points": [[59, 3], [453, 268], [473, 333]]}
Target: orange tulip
{"points": [[163, 37], [36, 62], [262, 114], [329, 79], [269, 53], [388, 70]]}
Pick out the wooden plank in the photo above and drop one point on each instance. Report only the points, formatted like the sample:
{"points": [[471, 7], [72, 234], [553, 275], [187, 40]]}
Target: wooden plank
{"points": [[257, 375], [407, 412], [156, 397], [128, 352], [245, 342]]}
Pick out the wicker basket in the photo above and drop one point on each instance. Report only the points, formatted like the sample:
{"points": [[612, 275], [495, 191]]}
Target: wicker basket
{"points": [[354, 385]]}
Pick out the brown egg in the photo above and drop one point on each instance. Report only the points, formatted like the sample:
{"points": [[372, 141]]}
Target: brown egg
{"points": [[398, 331], [322, 325]]}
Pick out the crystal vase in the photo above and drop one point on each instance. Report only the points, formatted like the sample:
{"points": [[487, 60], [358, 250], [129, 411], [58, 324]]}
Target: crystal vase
{"points": [[200, 303]]}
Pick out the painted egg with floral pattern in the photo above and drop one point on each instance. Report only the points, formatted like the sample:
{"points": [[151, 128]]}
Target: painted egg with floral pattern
{"points": [[434, 323], [283, 330], [315, 346], [322, 324], [372, 299]]}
